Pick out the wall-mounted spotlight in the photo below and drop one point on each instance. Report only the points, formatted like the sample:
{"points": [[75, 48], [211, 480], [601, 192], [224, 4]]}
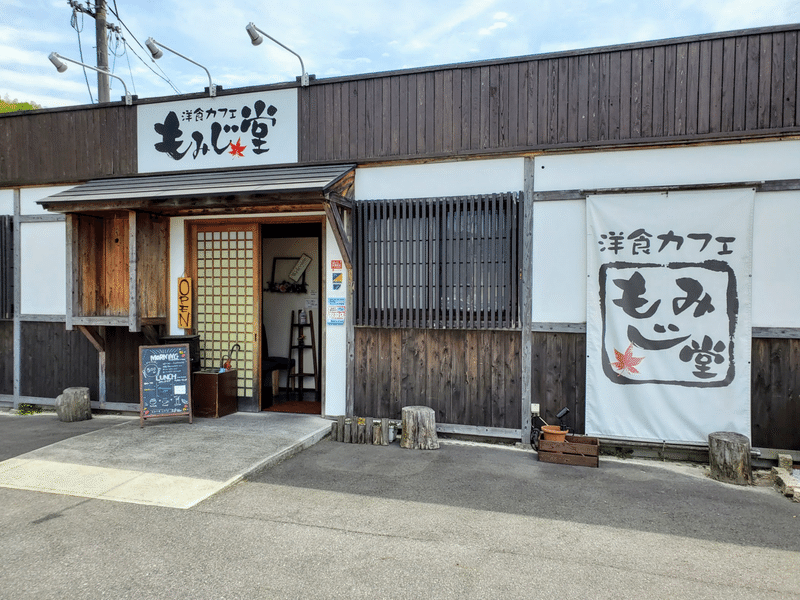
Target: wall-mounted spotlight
{"points": [[61, 67], [152, 45], [256, 39]]}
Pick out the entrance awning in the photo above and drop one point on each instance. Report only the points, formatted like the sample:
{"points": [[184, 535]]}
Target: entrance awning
{"points": [[208, 190]]}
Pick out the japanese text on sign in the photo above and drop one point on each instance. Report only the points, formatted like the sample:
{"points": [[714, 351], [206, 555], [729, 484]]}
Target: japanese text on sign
{"points": [[240, 130]]}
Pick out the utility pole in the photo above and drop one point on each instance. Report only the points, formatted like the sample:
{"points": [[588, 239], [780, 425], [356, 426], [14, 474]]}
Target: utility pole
{"points": [[103, 91]]}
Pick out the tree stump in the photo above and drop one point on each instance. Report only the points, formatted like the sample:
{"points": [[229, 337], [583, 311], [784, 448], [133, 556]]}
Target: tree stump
{"points": [[419, 428], [74, 405], [729, 456]]}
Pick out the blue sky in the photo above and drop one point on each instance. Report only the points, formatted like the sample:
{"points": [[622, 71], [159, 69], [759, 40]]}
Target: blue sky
{"points": [[337, 37]]}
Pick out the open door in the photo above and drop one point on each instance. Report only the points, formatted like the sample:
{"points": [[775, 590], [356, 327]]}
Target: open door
{"points": [[227, 279]]}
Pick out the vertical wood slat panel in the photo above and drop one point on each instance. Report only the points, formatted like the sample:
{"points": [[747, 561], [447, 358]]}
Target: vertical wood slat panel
{"points": [[6, 267], [777, 81], [790, 79], [765, 81]]}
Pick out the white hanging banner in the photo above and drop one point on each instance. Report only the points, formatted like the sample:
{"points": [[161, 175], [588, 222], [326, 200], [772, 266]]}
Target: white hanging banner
{"points": [[668, 314]]}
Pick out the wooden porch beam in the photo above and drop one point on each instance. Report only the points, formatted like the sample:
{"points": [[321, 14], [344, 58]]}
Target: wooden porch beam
{"points": [[93, 335], [340, 233]]}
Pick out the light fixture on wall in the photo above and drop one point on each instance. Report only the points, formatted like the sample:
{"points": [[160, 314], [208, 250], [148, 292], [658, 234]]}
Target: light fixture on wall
{"points": [[155, 51], [255, 37], [61, 67]]}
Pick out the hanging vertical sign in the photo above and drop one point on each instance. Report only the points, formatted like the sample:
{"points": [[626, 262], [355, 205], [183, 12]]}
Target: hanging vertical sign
{"points": [[668, 314], [184, 303]]}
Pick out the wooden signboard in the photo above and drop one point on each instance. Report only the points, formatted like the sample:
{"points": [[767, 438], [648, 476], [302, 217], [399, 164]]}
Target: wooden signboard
{"points": [[185, 303], [165, 385]]}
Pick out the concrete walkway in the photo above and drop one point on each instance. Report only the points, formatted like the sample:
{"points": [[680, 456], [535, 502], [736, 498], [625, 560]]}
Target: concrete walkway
{"points": [[169, 462]]}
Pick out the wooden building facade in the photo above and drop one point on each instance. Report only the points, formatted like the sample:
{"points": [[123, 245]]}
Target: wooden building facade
{"points": [[441, 189]]}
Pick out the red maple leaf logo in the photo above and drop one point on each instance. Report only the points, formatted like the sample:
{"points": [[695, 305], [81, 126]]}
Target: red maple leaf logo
{"points": [[626, 362], [237, 149]]}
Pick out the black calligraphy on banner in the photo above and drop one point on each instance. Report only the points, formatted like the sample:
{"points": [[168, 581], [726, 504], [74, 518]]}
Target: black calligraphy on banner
{"points": [[235, 131], [669, 323]]}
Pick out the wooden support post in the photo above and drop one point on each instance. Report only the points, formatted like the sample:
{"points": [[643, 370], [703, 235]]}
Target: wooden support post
{"points": [[419, 428], [729, 456]]}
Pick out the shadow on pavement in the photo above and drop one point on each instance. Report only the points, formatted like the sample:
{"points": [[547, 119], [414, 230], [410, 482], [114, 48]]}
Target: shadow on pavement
{"points": [[621, 494]]}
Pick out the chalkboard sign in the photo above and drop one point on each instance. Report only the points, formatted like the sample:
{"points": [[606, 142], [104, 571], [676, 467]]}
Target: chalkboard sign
{"points": [[164, 382]]}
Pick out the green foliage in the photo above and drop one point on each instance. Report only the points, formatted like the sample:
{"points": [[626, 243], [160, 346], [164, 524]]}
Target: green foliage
{"points": [[28, 409], [8, 105]]}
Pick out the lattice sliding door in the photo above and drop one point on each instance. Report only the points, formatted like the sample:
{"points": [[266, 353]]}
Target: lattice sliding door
{"points": [[228, 271]]}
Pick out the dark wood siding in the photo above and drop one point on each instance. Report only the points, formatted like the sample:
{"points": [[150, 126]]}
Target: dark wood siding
{"points": [[54, 359], [122, 364], [776, 393], [6, 357], [693, 88], [467, 377], [472, 378], [63, 146], [721, 86], [559, 373], [6, 267]]}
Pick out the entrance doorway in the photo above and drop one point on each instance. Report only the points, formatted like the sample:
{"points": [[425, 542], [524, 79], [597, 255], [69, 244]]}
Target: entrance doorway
{"points": [[228, 275], [291, 299]]}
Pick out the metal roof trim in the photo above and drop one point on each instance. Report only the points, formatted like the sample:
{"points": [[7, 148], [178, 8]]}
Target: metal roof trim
{"points": [[204, 184]]}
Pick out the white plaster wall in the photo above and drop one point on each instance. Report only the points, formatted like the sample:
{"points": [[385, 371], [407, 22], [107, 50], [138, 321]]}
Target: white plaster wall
{"points": [[440, 179], [559, 262], [335, 350], [6, 202], [776, 248], [29, 197], [758, 161], [559, 291], [43, 268]]}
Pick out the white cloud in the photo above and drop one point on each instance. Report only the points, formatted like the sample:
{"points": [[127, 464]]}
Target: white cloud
{"points": [[494, 27]]}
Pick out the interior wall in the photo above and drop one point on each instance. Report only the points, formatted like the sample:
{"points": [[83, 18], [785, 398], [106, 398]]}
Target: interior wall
{"points": [[278, 306]]}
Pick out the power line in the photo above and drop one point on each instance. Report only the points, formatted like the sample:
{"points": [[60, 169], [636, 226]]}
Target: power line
{"points": [[115, 12], [74, 23]]}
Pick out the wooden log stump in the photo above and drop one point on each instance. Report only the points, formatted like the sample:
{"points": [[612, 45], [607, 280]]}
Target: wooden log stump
{"points": [[384, 431], [377, 432], [729, 457], [419, 428], [340, 431], [74, 405]]}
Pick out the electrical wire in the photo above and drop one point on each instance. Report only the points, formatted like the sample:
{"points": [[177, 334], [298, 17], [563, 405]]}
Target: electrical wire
{"points": [[163, 75], [74, 23]]}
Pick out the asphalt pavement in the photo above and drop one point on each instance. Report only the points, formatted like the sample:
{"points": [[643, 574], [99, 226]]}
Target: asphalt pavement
{"points": [[465, 521]]}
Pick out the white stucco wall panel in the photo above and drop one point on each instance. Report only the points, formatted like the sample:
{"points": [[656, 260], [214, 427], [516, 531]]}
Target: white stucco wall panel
{"points": [[559, 287], [776, 247], [6, 202], [721, 163], [43, 268], [30, 196], [432, 180], [559, 262]]}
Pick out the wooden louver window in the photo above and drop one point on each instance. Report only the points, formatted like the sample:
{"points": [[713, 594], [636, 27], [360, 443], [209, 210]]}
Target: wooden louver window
{"points": [[439, 262], [6, 267]]}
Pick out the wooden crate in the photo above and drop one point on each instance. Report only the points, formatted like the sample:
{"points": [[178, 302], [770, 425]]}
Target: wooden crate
{"points": [[578, 450]]}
